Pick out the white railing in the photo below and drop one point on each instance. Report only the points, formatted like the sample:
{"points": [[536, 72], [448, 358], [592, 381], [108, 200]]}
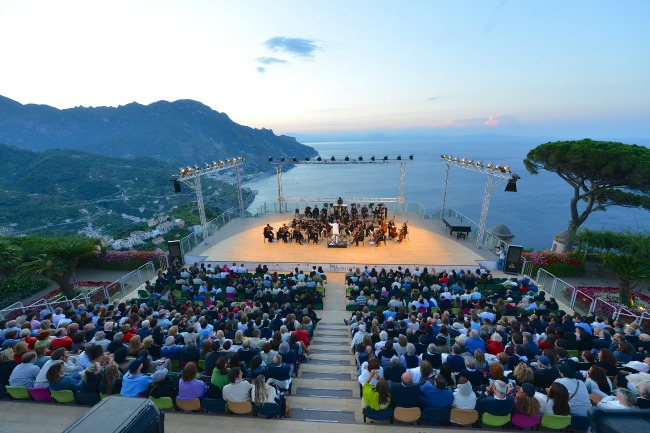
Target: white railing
{"points": [[191, 241], [116, 290]]}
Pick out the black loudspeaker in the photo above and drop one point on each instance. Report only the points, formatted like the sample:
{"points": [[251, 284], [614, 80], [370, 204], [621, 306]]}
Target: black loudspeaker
{"points": [[121, 415], [513, 258], [177, 185], [175, 252]]}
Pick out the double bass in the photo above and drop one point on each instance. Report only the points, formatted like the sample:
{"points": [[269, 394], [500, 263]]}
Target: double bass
{"points": [[403, 232], [392, 228]]}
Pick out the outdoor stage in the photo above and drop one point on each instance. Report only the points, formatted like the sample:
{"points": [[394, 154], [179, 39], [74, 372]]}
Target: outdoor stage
{"points": [[428, 244]]}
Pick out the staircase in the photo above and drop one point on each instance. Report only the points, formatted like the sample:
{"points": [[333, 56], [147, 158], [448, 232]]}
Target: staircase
{"points": [[326, 389]]}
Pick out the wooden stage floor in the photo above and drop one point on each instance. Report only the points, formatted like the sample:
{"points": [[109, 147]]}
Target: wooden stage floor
{"points": [[428, 244]]}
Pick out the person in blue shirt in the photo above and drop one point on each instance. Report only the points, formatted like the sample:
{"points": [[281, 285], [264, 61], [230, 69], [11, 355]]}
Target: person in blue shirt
{"points": [[436, 395], [474, 341], [134, 383], [57, 380]]}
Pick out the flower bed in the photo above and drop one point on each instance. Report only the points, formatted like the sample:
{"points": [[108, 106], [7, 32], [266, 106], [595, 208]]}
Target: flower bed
{"points": [[586, 295], [13, 290], [558, 264], [120, 260]]}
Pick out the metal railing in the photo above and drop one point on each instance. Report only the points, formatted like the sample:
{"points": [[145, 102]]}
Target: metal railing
{"points": [[191, 241], [116, 290], [577, 300], [291, 206], [490, 241]]}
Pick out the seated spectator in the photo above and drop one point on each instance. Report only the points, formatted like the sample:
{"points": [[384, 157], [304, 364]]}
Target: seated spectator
{"points": [[41, 357], [238, 390], [455, 359], [394, 372], [544, 375], [474, 341], [25, 374], [372, 364], [464, 397], [171, 350], [405, 394], [522, 374], [423, 373], [411, 360], [189, 352], [597, 381], [58, 355], [624, 399], [220, 373], [432, 356], [189, 387], [262, 393], [475, 377], [111, 383], [579, 395], [58, 381], [496, 372], [436, 395], [496, 401], [556, 402], [377, 396], [134, 383], [61, 339], [525, 401], [279, 373]]}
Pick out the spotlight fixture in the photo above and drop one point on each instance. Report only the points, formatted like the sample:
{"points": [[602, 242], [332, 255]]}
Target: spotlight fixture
{"points": [[270, 159], [282, 159], [489, 166], [385, 158], [372, 158], [306, 158], [411, 157], [215, 164], [512, 183], [207, 166], [319, 159], [295, 159], [332, 158], [455, 159], [347, 158], [360, 158], [221, 163], [399, 157], [478, 163], [197, 168]]}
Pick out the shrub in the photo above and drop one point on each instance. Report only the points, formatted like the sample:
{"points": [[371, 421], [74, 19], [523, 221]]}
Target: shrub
{"points": [[13, 290], [558, 264], [120, 260]]}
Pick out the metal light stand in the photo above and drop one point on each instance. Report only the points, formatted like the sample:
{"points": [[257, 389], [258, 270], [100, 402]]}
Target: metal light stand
{"points": [[191, 177]]}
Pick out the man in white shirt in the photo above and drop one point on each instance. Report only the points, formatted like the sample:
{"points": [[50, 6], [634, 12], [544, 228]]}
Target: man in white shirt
{"points": [[238, 390], [336, 236]]}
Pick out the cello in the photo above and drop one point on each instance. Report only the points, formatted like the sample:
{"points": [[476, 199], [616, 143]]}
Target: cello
{"points": [[379, 235], [403, 232]]}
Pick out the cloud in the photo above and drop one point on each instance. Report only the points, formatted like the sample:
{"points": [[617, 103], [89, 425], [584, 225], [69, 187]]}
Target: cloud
{"points": [[488, 121], [261, 70], [297, 46], [269, 60], [433, 98]]}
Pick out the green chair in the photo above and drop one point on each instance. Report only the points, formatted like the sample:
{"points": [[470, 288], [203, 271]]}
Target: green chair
{"points": [[163, 403], [143, 294], [64, 396], [495, 421], [574, 353], [202, 364], [351, 307], [556, 422], [176, 366], [318, 306], [103, 396], [17, 392]]}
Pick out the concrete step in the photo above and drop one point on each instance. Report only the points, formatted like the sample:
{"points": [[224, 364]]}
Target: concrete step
{"points": [[322, 415], [337, 393], [326, 375]]}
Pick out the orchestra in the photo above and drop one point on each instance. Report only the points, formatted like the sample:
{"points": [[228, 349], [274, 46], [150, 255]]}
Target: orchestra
{"points": [[338, 222]]}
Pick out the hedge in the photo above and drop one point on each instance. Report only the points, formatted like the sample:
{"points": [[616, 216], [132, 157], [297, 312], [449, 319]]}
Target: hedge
{"points": [[13, 290]]}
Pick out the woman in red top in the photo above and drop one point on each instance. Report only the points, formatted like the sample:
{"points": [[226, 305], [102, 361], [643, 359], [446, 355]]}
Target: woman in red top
{"points": [[494, 345]]}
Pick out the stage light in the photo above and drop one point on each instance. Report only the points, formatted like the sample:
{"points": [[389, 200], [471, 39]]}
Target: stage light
{"points": [[215, 164], [306, 158], [512, 184], [221, 163], [197, 168], [489, 165], [360, 158], [282, 159], [411, 157], [319, 159], [478, 163], [295, 159], [385, 158], [505, 168], [455, 159], [372, 158], [270, 159], [469, 162], [207, 166], [332, 158], [399, 157], [347, 158]]}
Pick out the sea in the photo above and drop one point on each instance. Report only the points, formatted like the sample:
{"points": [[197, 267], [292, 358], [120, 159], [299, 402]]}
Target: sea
{"points": [[535, 213]]}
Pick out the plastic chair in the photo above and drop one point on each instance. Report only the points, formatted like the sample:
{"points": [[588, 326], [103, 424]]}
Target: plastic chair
{"points": [[464, 416], [524, 421], [40, 394], [202, 364], [436, 415], [17, 392], [239, 408], [63, 396], [377, 415], [580, 423], [176, 365], [555, 422], [574, 353], [3, 392], [189, 405], [163, 403], [217, 405], [407, 414], [269, 410], [494, 420]]}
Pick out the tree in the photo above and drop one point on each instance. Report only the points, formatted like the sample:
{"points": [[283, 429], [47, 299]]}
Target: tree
{"points": [[629, 269], [58, 262], [601, 173], [10, 258]]}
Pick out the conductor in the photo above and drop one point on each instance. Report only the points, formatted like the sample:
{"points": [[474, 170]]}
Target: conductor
{"points": [[336, 236]]}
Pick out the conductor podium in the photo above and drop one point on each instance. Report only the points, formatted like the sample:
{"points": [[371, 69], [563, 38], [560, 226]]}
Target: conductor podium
{"points": [[338, 244], [120, 415]]}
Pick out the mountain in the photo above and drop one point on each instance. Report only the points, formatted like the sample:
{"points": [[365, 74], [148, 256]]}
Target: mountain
{"points": [[184, 132], [58, 192]]}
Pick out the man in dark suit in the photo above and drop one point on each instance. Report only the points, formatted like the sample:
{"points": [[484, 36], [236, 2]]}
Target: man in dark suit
{"points": [[455, 359], [475, 377], [532, 349], [405, 394], [544, 374], [496, 400]]}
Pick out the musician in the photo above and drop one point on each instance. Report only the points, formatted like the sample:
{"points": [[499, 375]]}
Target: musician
{"points": [[315, 212], [370, 231], [298, 236], [339, 201], [268, 233], [378, 236], [283, 233], [364, 212], [307, 211], [384, 226], [403, 232], [359, 234]]}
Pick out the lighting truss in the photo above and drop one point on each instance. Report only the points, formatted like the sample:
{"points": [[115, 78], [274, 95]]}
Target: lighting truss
{"points": [[496, 175], [191, 177], [333, 160]]}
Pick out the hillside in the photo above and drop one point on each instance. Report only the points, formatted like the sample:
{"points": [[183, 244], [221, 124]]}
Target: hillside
{"points": [[181, 133], [57, 192]]}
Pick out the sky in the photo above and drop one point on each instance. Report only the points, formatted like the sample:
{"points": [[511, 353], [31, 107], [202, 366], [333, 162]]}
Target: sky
{"points": [[573, 69]]}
